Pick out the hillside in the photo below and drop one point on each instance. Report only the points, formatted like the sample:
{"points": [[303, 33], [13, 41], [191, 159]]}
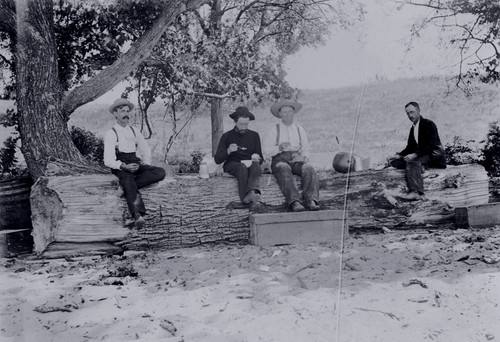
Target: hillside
{"points": [[327, 114]]}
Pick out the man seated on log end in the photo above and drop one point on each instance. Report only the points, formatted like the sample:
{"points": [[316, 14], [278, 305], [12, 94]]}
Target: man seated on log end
{"points": [[124, 147], [241, 152], [286, 143], [423, 149]]}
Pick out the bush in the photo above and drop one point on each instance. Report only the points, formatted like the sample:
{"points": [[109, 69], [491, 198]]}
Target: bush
{"points": [[491, 150], [8, 160], [90, 146], [464, 152], [189, 166]]}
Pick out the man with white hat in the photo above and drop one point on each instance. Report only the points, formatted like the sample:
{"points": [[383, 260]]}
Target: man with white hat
{"points": [[128, 155], [286, 143], [240, 151]]}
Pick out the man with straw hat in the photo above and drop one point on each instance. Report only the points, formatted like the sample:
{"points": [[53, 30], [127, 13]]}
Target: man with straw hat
{"points": [[286, 143], [128, 155], [241, 152]]}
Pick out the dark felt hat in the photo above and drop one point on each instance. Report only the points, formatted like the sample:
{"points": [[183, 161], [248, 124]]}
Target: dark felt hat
{"points": [[276, 107], [241, 111], [120, 102]]}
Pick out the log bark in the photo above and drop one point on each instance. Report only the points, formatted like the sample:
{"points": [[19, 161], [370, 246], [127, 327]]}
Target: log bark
{"points": [[186, 211]]}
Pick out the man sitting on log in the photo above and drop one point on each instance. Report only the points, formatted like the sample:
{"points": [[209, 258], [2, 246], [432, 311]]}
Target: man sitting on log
{"points": [[286, 143], [423, 149], [128, 155], [241, 152]]}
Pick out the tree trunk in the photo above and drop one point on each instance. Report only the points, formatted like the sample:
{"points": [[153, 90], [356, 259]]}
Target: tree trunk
{"points": [[42, 106], [43, 128], [185, 211], [217, 122]]}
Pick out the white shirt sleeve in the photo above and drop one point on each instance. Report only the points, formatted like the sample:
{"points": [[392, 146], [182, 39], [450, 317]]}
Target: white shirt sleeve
{"points": [[143, 148], [110, 142]]}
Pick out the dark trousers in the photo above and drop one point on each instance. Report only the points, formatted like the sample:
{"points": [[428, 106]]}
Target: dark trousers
{"points": [[131, 182], [414, 180], [284, 170], [248, 178]]}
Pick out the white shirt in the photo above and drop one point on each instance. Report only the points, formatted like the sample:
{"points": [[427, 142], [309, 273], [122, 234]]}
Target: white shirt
{"points": [[415, 130], [287, 134], [127, 142]]}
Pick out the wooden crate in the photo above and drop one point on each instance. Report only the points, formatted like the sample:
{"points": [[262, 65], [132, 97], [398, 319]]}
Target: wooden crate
{"points": [[484, 215], [15, 242], [296, 228]]}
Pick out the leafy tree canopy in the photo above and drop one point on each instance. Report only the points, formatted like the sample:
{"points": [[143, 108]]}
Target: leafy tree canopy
{"points": [[474, 27]]}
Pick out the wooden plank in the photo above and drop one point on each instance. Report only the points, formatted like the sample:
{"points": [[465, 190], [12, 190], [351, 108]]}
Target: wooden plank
{"points": [[485, 215], [15, 242], [67, 249], [296, 228]]}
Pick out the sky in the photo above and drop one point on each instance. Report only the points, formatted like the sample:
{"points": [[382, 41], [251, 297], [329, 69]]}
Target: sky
{"points": [[376, 48]]}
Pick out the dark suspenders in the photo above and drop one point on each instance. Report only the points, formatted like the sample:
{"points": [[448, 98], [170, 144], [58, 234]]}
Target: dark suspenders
{"points": [[118, 139], [278, 135]]}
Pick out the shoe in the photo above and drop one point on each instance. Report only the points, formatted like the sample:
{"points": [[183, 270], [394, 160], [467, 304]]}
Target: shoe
{"points": [[139, 221], [251, 196], [297, 207], [255, 206], [312, 205], [413, 196]]}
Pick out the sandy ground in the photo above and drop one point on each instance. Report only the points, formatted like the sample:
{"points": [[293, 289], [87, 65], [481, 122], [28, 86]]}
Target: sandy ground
{"points": [[426, 285]]}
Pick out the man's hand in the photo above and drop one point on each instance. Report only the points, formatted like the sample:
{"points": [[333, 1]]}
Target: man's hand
{"points": [[232, 148], [255, 158], [132, 167], [410, 156], [283, 146], [287, 147]]}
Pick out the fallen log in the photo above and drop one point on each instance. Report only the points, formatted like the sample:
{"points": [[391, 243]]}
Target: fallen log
{"points": [[186, 211]]}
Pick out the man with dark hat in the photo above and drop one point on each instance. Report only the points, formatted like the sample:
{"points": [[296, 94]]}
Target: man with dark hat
{"points": [[128, 155], [287, 145], [424, 148], [241, 152]]}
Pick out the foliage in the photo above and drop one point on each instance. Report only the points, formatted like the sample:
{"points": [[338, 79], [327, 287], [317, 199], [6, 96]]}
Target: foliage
{"points": [[475, 29], [189, 166], [491, 150], [8, 160], [90, 146], [461, 152], [234, 49]]}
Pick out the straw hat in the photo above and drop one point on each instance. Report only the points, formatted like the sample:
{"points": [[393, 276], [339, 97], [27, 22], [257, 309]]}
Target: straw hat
{"points": [[275, 108], [120, 102]]}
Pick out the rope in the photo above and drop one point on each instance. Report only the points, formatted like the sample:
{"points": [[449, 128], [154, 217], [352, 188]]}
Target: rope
{"points": [[344, 214]]}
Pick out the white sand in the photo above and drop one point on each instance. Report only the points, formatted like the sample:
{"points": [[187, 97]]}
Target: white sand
{"points": [[247, 293]]}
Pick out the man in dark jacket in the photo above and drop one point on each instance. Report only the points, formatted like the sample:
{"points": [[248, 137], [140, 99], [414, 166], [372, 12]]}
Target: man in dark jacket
{"points": [[241, 152], [423, 148]]}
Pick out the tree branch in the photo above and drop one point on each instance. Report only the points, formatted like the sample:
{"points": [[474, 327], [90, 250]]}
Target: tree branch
{"points": [[138, 52], [217, 96]]}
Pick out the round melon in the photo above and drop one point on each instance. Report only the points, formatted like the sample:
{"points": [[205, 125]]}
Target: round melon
{"points": [[341, 162]]}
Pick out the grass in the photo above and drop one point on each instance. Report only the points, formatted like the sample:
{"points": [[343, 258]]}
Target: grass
{"points": [[329, 115]]}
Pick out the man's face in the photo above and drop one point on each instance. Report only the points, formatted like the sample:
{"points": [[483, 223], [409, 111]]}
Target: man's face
{"points": [[122, 115], [242, 124], [287, 114], [413, 113]]}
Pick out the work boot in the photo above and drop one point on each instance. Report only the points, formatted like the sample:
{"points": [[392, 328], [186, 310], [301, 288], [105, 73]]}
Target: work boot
{"points": [[255, 207], [139, 220], [296, 207], [251, 196], [312, 205]]}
